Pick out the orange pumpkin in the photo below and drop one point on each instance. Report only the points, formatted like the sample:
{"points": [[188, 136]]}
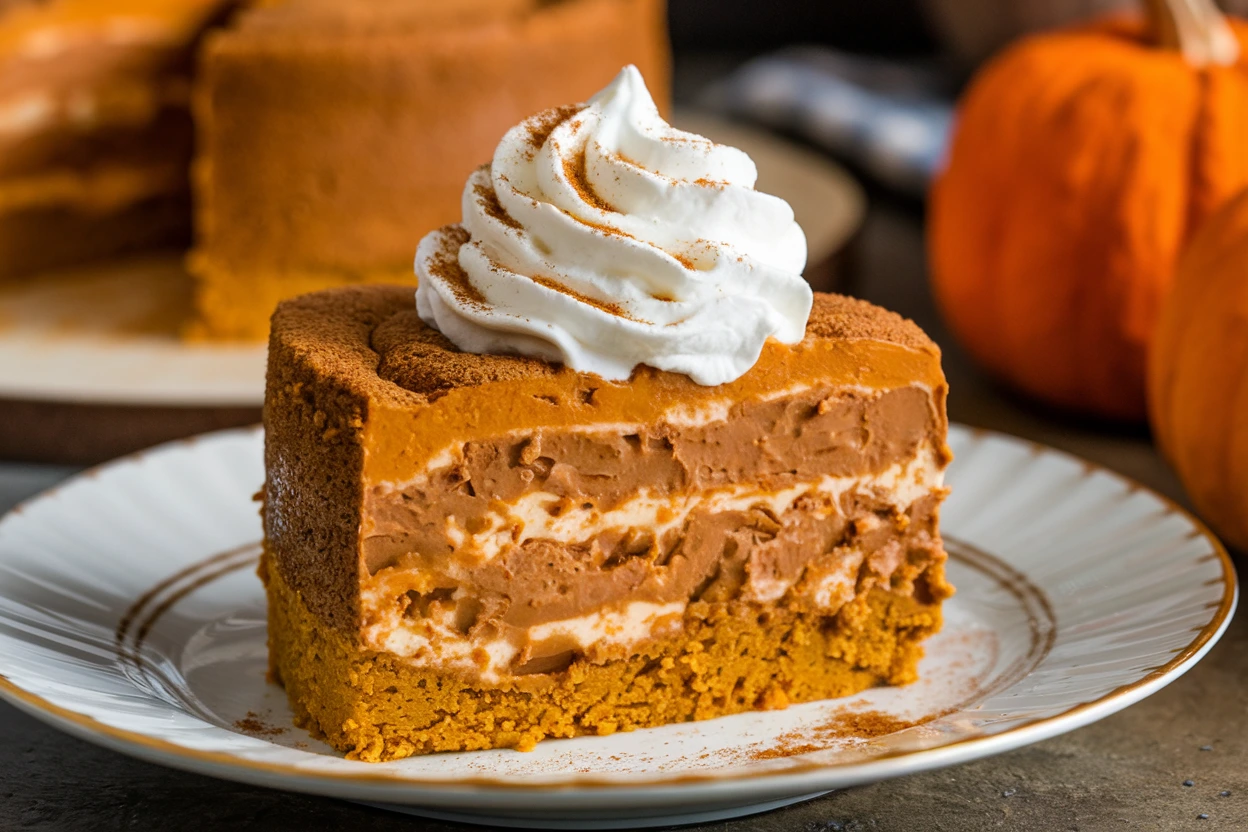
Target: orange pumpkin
{"points": [[1198, 373], [1081, 161]]}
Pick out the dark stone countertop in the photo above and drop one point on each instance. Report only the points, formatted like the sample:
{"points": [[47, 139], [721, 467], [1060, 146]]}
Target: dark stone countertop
{"points": [[1125, 772]]}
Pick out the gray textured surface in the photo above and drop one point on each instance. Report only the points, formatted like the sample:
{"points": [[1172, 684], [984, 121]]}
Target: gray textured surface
{"points": [[1126, 772]]}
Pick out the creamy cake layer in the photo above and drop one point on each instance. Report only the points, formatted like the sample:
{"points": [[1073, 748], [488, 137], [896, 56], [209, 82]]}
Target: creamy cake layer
{"points": [[522, 554], [103, 190], [763, 447], [570, 518], [811, 559]]}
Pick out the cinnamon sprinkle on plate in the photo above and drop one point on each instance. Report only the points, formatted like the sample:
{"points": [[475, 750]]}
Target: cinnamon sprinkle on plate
{"points": [[841, 725], [252, 724]]}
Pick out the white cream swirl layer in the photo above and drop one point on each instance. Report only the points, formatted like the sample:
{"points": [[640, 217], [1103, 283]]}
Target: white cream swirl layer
{"points": [[603, 238]]}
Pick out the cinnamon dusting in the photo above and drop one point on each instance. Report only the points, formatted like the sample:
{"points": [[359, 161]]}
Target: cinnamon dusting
{"points": [[618, 155], [600, 227], [609, 308], [842, 725], [444, 265], [544, 123], [487, 198], [578, 177], [252, 724]]}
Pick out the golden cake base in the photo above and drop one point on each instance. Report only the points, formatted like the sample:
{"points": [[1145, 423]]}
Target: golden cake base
{"points": [[376, 706]]}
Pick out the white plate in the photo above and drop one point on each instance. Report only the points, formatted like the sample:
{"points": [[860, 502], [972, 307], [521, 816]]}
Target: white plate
{"points": [[109, 334], [130, 615]]}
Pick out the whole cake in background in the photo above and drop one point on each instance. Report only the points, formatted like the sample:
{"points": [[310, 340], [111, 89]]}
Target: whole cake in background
{"points": [[95, 129], [331, 136], [616, 467]]}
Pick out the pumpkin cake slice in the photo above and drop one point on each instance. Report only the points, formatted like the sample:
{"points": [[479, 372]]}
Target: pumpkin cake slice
{"points": [[531, 506], [472, 551]]}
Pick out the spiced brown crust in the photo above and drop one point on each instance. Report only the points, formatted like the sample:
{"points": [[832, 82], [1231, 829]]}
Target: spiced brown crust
{"points": [[372, 334], [838, 316]]}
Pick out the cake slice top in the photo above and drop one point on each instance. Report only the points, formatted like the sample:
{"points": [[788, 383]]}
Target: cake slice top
{"points": [[371, 340], [418, 358]]}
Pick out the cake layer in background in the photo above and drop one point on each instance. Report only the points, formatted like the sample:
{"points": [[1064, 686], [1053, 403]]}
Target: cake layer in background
{"points": [[332, 138], [546, 553], [95, 129]]}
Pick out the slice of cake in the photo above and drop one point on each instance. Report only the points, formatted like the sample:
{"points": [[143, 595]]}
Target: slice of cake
{"points": [[332, 135], [95, 128], [616, 468]]}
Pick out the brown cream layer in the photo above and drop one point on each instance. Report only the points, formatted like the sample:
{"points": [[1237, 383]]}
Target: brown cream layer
{"points": [[518, 554], [772, 443]]}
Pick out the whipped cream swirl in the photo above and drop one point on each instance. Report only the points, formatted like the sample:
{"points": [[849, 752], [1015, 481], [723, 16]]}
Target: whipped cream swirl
{"points": [[603, 238]]}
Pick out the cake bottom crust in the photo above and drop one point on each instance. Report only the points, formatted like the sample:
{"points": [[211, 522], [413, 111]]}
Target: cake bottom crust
{"points": [[729, 658]]}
